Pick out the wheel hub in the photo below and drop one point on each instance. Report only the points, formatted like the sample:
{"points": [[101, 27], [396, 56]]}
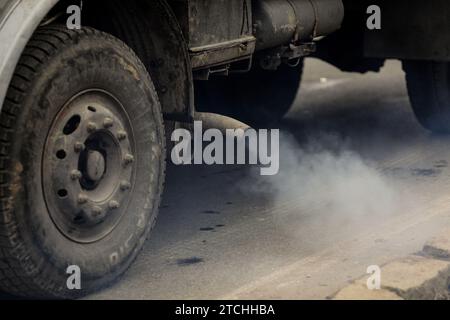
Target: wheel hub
{"points": [[88, 166], [95, 166]]}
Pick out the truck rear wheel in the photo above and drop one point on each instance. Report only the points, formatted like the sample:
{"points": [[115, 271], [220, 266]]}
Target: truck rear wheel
{"points": [[82, 163], [428, 85], [259, 98]]}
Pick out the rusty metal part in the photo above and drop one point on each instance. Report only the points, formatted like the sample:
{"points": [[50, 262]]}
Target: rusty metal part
{"points": [[218, 32], [88, 172], [280, 22], [291, 55], [151, 29], [229, 51]]}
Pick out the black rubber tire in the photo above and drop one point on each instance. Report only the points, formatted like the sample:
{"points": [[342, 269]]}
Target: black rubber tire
{"points": [[259, 98], [56, 64], [428, 85]]}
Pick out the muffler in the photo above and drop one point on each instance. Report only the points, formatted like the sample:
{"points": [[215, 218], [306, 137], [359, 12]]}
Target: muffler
{"points": [[281, 22]]}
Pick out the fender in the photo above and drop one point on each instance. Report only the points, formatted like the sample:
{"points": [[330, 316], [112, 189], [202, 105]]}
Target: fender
{"points": [[20, 18]]}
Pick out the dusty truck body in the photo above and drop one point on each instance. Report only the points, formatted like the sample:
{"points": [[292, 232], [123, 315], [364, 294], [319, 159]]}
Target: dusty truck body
{"points": [[82, 148]]}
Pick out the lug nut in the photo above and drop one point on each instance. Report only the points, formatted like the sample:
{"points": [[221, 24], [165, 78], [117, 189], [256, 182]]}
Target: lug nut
{"points": [[108, 123], [91, 127], [96, 214], [121, 135], [96, 211], [78, 147], [128, 159], [76, 175], [125, 185], [82, 199], [113, 204]]}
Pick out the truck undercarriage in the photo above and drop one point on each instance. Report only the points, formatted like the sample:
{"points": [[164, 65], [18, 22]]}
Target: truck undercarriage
{"points": [[82, 147]]}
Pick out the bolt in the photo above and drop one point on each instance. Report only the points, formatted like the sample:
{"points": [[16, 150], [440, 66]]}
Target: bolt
{"points": [[96, 211], [108, 123], [121, 135], [76, 175], [113, 204], [79, 146], [128, 159], [91, 127], [125, 185], [82, 199]]}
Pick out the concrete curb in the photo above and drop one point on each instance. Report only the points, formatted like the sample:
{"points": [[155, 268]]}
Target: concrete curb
{"points": [[425, 275]]}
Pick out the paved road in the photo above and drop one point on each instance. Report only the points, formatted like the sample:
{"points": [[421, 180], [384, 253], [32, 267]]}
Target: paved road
{"points": [[360, 184]]}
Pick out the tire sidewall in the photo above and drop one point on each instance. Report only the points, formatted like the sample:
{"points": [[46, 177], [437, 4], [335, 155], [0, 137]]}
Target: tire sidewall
{"points": [[101, 63], [428, 84]]}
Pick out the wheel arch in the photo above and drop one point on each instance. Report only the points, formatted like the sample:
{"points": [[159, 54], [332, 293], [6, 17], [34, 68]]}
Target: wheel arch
{"points": [[163, 51]]}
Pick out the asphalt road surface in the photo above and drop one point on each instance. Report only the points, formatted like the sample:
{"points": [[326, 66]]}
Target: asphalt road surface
{"points": [[360, 184]]}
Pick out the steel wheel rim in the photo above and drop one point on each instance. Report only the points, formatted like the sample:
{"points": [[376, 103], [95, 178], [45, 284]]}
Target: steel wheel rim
{"points": [[88, 166]]}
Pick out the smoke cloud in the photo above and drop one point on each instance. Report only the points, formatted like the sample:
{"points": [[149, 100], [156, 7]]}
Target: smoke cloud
{"points": [[324, 176]]}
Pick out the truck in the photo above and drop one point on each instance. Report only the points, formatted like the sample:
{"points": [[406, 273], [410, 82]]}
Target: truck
{"points": [[83, 109]]}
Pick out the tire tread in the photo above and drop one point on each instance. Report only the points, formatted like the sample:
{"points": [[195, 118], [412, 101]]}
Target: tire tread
{"points": [[15, 279]]}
